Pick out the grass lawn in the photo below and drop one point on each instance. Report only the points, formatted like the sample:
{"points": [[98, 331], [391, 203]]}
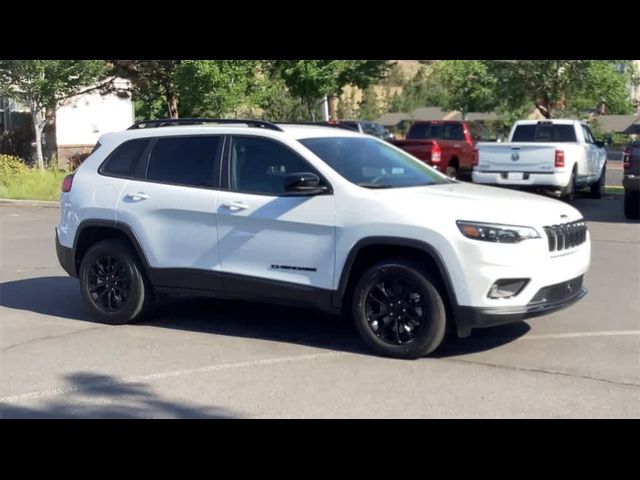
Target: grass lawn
{"points": [[32, 184], [614, 190]]}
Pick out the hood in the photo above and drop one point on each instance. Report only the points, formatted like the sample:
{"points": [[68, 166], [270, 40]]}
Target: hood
{"points": [[466, 201]]}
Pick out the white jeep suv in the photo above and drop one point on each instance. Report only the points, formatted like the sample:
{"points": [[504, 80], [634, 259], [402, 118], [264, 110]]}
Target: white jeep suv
{"points": [[314, 216]]}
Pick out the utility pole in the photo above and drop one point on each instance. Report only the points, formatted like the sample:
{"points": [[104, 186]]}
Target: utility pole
{"points": [[325, 109]]}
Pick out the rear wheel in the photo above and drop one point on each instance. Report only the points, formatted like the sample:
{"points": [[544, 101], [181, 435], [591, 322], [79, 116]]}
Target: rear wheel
{"points": [[632, 205], [398, 311], [452, 172], [113, 283], [597, 189]]}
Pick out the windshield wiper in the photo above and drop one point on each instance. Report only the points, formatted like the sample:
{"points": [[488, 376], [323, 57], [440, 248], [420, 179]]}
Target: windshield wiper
{"points": [[374, 185]]}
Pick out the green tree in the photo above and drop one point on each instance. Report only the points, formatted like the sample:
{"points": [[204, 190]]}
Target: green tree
{"points": [[312, 80], [215, 88], [545, 84], [467, 85], [602, 82], [562, 87], [42, 85], [370, 105], [277, 103], [154, 83], [425, 88]]}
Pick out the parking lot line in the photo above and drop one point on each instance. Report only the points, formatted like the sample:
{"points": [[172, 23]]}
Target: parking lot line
{"points": [[173, 373], [604, 333]]}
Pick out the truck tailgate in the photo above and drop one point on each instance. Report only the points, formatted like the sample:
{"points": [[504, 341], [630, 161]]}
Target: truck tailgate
{"points": [[516, 157], [418, 148]]}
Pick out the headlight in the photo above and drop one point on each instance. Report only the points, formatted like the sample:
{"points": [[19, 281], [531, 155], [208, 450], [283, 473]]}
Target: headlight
{"points": [[493, 232]]}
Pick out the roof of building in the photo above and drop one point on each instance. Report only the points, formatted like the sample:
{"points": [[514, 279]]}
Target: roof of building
{"points": [[615, 123]]}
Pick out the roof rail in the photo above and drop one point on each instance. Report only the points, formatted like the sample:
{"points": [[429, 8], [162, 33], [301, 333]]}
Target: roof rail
{"points": [[321, 124], [172, 122]]}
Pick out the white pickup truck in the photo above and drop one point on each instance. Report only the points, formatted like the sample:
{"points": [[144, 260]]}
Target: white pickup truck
{"points": [[557, 155]]}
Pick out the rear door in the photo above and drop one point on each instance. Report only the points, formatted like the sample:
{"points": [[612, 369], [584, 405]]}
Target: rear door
{"points": [[171, 207]]}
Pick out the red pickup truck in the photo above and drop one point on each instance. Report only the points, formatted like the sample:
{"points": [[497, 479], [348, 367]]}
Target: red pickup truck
{"points": [[445, 145]]}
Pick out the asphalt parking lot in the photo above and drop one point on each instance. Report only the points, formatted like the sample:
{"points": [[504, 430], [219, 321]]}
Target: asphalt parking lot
{"points": [[212, 358]]}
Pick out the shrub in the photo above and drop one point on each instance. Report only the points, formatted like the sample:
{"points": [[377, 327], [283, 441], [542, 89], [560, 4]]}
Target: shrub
{"points": [[16, 143], [76, 159], [11, 166]]}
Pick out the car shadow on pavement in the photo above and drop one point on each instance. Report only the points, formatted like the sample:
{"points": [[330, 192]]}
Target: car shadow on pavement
{"points": [[483, 339], [609, 209], [88, 392], [60, 297]]}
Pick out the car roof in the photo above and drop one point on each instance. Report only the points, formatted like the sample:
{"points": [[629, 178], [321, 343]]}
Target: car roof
{"points": [[422, 122], [558, 121], [292, 131]]}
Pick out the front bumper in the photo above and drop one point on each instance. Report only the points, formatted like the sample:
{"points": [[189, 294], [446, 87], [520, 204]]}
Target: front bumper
{"points": [[66, 258], [548, 299]]}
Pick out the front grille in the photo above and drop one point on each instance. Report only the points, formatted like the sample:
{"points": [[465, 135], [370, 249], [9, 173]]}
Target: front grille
{"points": [[566, 235], [558, 292]]}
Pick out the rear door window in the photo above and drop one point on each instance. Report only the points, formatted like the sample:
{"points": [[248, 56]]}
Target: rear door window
{"points": [[189, 161]]}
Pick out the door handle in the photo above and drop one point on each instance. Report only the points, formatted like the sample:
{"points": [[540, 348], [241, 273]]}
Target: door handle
{"points": [[235, 206], [137, 196]]}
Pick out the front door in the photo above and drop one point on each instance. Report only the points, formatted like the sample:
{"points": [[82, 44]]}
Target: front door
{"points": [[266, 237]]}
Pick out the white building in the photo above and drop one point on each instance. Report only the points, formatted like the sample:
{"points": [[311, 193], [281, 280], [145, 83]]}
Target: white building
{"points": [[80, 120]]}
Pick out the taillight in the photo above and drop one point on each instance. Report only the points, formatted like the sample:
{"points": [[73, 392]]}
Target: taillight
{"points": [[475, 159], [436, 153], [559, 159], [67, 183]]}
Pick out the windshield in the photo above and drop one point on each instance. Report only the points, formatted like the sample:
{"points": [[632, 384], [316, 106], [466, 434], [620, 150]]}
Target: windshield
{"points": [[372, 163]]}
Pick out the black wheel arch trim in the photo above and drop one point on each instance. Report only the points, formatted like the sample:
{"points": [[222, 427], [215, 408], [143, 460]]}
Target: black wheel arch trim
{"points": [[115, 225], [338, 296]]}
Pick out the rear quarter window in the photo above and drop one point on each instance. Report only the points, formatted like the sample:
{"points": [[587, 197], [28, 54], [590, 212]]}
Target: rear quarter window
{"points": [[126, 159]]}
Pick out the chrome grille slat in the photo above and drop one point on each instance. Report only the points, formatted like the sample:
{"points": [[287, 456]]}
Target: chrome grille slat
{"points": [[566, 235]]}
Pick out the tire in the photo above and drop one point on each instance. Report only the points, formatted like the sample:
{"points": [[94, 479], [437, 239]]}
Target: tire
{"points": [[387, 327], [597, 189], [569, 194], [128, 298], [452, 172], [632, 205]]}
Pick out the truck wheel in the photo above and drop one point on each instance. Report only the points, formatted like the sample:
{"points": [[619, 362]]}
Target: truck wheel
{"points": [[452, 172], [113, 284], [597, 189], [569, 194], [632, 205], [398, 311]]}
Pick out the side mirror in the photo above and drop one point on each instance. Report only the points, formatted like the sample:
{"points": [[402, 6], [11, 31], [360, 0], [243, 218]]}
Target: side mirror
{"points": [[304, 183], [599, 143]]}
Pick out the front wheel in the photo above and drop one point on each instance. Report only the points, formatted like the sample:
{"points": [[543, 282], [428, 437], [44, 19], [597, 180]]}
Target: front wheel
{"points": [[398, 311], [112, 283]]}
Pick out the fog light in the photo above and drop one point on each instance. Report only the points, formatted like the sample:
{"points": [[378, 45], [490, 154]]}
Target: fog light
{"points": [[507, 287]]}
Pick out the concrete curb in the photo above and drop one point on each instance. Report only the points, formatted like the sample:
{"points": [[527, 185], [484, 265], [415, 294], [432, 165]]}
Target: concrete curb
{"points": [[30, 203]]}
